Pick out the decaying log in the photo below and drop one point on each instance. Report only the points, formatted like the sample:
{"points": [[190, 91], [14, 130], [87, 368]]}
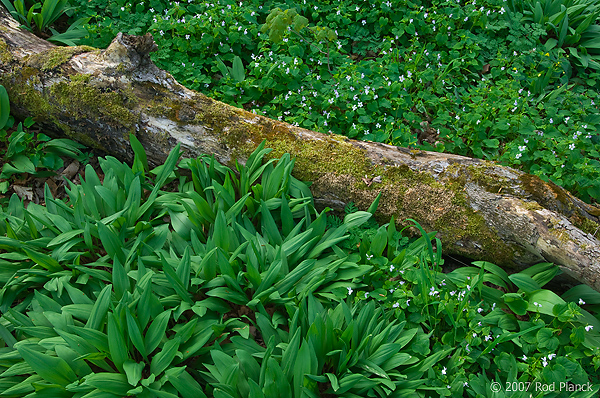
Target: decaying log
{"points": [[481, 210]]}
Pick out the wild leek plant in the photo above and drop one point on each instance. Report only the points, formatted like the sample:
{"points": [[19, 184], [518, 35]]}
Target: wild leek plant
{"points": [[190, 280]]}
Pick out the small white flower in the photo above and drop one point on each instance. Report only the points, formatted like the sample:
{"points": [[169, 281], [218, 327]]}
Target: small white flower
{"points": [[588, 328], [581, 302], [349, 290], [396, 305], [444, 371], [524, 358], [551, 356]]}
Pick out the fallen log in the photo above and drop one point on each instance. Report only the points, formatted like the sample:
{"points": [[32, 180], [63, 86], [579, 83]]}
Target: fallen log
{"points": [[481, 210]]}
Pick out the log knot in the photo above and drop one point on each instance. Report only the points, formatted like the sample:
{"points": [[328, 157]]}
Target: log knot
{"points": [[130, 52]]}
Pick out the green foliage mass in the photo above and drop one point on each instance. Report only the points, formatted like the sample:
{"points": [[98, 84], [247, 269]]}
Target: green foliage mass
{"points": [[27, 153], [515, 82], [190, 280], [41, 23]]}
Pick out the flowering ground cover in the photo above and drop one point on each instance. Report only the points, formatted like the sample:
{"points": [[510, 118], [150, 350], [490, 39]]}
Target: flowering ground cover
{"points": [[514, 81], [192, 280], [154, 283]]}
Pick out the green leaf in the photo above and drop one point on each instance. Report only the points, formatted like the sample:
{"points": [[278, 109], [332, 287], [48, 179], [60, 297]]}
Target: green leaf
{"points": [[237, 71], [140, 162], [44, 260], [174, 280], [116, 343], [185, 384], [100, 308], [356, 219], [133, 370], [584, 292], [135, 334], [111, 242], [516, 303], [524, 282], [4, 107], [109, 382], [373, 208], [120, 279], [157, 330], [276, 384], [221, 231], [52, 369], [546, 300], [546, 339]]}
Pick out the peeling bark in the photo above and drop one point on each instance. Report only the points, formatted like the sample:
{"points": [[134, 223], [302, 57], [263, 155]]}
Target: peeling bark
{"points": [[481, 210]]}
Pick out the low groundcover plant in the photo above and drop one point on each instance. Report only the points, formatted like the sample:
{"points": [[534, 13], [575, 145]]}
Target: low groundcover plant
{"points": [[192, 280], [511, 81]]}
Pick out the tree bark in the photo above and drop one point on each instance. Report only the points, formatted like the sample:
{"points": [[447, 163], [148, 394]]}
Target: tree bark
{"points": [[481, 210]]}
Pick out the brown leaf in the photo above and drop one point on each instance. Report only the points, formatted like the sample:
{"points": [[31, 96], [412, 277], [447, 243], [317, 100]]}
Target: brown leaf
{"points": [[25, 193], [485, 69], [53, 187], [71, 170], [367, 181]]}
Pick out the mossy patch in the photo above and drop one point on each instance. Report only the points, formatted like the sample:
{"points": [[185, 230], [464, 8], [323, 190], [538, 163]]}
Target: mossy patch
{"points": [[5, 55], [80, 99], [547, 194], [55, 57], [482, 174], [315, 158]]}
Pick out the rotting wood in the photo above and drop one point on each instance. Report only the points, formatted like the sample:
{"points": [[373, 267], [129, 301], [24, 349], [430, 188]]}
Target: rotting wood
{"points": [[481, 210]]}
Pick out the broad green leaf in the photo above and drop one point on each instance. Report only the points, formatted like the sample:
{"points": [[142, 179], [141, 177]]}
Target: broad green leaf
{"points": [[52, 369], [186, 385], [356, 219], [4, 107], [135, 333], [583, 292], [516, 303], [95, 337], [133, 370], [276, 384], [120, 279], [545, 299], [44, 260], [113, 383], [164, 358], [174, 280], [100, 308], [156, 331], [116, 343], [237, 72], [111, 242], [524, 282], [140, 162]]}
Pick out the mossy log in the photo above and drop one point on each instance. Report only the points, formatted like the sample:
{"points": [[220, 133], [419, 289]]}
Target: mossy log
{"points": [[481, 210]]}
